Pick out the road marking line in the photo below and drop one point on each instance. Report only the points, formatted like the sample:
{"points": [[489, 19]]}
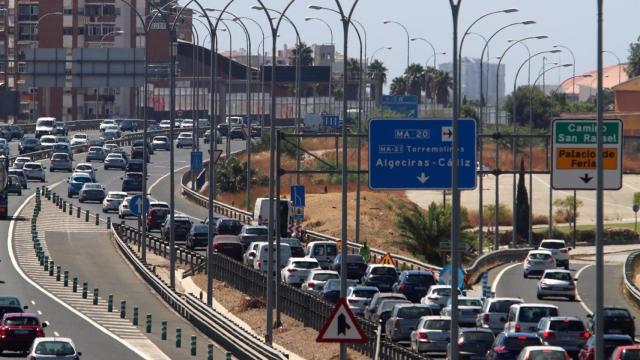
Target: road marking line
{"points": [[14, 262], [494, 286], [39, 312], [56, 333], [584, 306], [33, 302]]}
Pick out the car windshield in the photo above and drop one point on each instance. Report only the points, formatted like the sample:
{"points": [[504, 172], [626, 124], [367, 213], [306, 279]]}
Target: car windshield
{"points": [[229, 225], [616, 313], [414, 312], [546, 355], [200, 229], [442, 291], [439, 324], [59, 157], [108, 122], [95, 149], [117, 196], [32, 166], [422, 279], [502, 306], [160, 139], [477, 337], [383, 270], [630, 354], [552, 245], [84, 167], [54, 348], [45, 140], [18, 320], [9, 301], [325, 276], [557, 275], [81, 179], [388, 305], [80, 136], [534, 314], [114, 156], [30, 141], [539, 256], [520, 342], [364, 293], [49, 123], [566, 325], [305, 265], [256, 231], [159, 214], [470, 302]]}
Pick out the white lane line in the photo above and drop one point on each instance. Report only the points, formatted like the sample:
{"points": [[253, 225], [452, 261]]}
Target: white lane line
{"points": [[39, 312], [494, 286], [33, 302], [56, 333], [584, 306], [150, 188], [14, 262]]}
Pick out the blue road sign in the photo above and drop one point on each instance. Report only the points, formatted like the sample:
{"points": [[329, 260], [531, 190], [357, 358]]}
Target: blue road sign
{"points": [[405, 105], [202, 177], [331, 120], [445, 276], [137, 204], [297, 195], [196, 161], [416, 154]]}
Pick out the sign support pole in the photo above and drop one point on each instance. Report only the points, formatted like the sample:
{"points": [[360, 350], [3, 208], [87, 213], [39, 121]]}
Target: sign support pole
{"points": [[599, 330]]}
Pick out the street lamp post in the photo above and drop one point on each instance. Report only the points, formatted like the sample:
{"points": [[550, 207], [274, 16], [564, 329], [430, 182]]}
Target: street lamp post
{"points": [[408, 37], [619, 64], [371, 59], [573, 60], [101, 43], [332, 56], [434, 56]]}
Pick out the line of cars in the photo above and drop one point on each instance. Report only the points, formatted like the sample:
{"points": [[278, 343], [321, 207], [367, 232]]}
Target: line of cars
{"points": [[22, 333]]}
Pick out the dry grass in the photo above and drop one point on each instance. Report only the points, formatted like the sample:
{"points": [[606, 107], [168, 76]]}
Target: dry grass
{"points": [[293, 336]]}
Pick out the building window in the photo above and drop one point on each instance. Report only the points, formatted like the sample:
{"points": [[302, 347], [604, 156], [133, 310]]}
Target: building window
{"points": [[94, 30], [22, 67], [68, 11], [67, 31], [93, 10], [108, 29], [28, 12], [27, 32], [109, 10]]}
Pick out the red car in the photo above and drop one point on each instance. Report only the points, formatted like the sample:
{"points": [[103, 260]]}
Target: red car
{"points": [[611, 342], [228, 245], [18, 330], [626, 352]]}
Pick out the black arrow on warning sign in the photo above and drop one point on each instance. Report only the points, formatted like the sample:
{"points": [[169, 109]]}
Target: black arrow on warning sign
{"points": [[586, 178]]}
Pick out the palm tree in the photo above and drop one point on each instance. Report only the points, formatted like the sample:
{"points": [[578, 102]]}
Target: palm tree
{"points": [[414, 75], [430, 75], [443, 84], [306, 55], [377, 72], [398, 86]]}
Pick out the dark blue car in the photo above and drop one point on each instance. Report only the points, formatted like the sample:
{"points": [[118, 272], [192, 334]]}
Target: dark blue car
{"points": [[507, 346], [75, 183], [414, 284]]}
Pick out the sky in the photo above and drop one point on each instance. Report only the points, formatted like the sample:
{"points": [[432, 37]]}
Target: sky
{"points": [[572, 23]]}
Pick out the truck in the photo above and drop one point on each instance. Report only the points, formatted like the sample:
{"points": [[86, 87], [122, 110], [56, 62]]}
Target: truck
{"points": [[285, 210], [4, 194]]}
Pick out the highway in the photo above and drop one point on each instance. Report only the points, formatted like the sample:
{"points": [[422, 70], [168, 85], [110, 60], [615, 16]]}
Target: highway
{"points": [[90, 262]]}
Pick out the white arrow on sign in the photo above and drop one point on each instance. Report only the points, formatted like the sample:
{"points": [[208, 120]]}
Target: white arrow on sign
{"points": [[422, 178]]}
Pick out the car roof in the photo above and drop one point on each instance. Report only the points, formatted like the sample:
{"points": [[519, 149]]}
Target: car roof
{"points": [[440, 286], [535, 305], [476, 330], [117, 193], [557, 271], [32, 163], [417, 272], [504, 299], [435, 317], [83, 164], [555, 240], [364, 287], [381, 266], [21, 314], [80, 174], [519, 334], [616, 337], [540, 252], [322, 271], [543, 347], [53, 338], [555, 318], [292, 259]]}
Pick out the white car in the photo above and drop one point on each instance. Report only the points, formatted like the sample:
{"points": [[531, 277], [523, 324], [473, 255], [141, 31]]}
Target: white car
{"points": [[47, 141], [359, 296], [80, 139], [86, 168], [124, 210], [557, 283], [317, 278], [165, 124], [53, 348], [19, 162], [107, 122], [113, 200], [186, 124], [537, 261], [297, 269], [185, 139], [438, 294], [158, 204], [33, 170], [559, 251]]}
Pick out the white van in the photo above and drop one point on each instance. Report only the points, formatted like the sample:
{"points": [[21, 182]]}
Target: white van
{"points": [[45, 126], [261, 212], [235, 120], [261, 260], [323, 251], [525, 317]]}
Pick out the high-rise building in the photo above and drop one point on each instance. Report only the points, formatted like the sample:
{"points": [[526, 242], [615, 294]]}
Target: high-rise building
{"points": [[72, 24], [470, 79]]}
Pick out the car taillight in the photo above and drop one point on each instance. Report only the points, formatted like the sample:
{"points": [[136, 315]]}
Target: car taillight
{"points": [[423, 336], [310, 285], [486, 318], [548, 334], [125, 205], [585, 335], [3, 331], [403, 286], [564, 251], [628, 321], [566, 356], [500, 349], [518, 327], [39, 332], [252, 253], [292, 270]]}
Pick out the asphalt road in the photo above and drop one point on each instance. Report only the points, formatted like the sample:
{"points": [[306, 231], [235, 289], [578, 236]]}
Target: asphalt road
{"points": [[508, 281]]}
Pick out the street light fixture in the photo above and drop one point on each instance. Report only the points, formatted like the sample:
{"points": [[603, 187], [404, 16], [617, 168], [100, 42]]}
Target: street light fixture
{"points": [[619, 63], [408, 37]]}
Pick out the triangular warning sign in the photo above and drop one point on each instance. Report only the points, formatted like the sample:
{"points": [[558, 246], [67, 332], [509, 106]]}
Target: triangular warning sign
{"points": [[387, 260], [342, 326], [217, 155]]}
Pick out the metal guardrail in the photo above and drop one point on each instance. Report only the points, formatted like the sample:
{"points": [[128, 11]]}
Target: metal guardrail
{"points": [[225, 332], [628, 270], [492, 260]]}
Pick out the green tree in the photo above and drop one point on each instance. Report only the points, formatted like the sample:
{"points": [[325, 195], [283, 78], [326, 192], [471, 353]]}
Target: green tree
{"points": [[469, 110], [565, 207], [541, 106], [430, 75], [377, 73], [232, 175], [398, 86], [633, 68], [306, 55], [443, 84], [422, 231], [522, 206], [414, 77]]}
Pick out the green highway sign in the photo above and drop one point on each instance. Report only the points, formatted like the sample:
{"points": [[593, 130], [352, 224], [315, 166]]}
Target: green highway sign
{"points": [[573, 160]]}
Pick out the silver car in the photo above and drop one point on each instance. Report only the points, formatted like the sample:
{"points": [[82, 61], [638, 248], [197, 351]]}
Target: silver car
{"points": [[113, 200], [185, 139], [21, 177], [468, 310], [20, 161], [250, 254], [432, 334], [33, 170], [317, 278], [437, 294], [404, 319], [494, 313], [115, 161], [60, 161], [537, 261], [96, 153], [557, 283], [358, 297], [161, 143], [568, 332]]}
